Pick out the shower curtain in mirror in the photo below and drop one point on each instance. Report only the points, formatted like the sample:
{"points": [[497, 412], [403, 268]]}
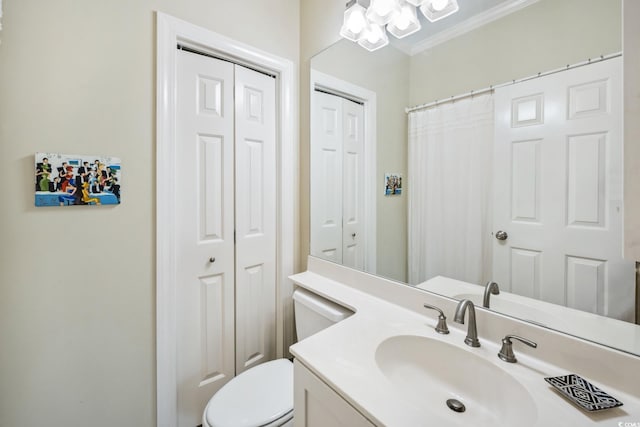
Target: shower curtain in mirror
{"points": [[450, 167]]}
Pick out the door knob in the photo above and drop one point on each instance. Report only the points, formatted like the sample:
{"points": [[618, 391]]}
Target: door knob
{"points": [[501, 235], [212, 260]]}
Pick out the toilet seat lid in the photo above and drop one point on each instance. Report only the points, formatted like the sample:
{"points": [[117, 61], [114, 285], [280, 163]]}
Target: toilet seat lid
{"points": [[256, 397]]}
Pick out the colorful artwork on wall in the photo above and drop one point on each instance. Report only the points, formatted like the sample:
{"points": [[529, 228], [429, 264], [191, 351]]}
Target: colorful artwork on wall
{"points": [[392, 184], [72, 180]]}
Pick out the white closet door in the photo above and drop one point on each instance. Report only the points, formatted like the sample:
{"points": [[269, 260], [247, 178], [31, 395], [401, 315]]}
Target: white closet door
{"points": [[326, 177], [558, 190], [204, 235], [353, 184], [255, 185]]}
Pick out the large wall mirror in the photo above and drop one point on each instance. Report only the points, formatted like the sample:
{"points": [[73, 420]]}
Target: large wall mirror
{"points": [[417, 179]]}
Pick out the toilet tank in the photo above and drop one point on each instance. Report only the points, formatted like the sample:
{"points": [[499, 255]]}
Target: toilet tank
{"points": [[315, 313]]}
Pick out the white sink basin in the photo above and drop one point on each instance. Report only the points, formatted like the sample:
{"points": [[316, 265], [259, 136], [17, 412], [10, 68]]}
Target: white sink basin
{"points": [[427, 372]]}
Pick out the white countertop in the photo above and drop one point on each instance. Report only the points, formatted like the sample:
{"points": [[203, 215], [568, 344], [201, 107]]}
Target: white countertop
{"points": [[344, 357]]}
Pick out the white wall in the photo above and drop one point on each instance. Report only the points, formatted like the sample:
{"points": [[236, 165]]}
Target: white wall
{"points": [[544, 36], [385, 72], [77, 285]]}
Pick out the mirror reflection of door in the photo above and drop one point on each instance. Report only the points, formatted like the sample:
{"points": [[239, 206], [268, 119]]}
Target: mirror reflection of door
{"points": [[486, 57], [558, 191], [337, 181]]}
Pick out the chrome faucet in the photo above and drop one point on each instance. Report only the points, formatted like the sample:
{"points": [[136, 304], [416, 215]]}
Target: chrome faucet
{"points": [[490, 288], [472, 331]]}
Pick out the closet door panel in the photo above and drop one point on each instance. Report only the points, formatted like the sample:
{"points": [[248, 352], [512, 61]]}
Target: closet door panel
{"points": [[326, 177], [204, 238], [353, 185], [255, 187]]}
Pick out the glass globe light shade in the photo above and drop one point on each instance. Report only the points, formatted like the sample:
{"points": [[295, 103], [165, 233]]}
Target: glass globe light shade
{"points": [[430, 12], [406, 23], [381, 12], [438, 5], [373, 38], [354, 22]]}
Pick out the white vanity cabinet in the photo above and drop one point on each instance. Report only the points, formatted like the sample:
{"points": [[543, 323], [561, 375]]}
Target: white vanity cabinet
{"points": [[317, 405]]}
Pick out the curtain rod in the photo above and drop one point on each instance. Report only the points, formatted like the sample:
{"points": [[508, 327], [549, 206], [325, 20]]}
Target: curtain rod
{"points": [[512, 82]]}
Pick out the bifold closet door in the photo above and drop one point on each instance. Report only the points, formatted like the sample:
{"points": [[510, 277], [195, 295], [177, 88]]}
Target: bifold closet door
{"points": [[255, 161], [226, 234], [337, 180], [326, 177], [352, 184], [205, 224]]}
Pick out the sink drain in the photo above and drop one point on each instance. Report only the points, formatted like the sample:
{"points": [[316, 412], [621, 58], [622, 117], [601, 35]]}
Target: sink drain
{"points": [[455, 405]]}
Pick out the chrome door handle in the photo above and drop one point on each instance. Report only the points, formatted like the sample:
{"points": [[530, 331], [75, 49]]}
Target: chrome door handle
{"points": [[501, 235]]}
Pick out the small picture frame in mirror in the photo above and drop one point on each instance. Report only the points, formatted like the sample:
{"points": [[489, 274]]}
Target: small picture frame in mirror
{"points": [[392, 184]]}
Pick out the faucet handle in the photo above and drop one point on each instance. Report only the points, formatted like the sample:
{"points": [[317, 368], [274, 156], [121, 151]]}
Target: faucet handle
{"points": [[441, 327], [506, 352]]}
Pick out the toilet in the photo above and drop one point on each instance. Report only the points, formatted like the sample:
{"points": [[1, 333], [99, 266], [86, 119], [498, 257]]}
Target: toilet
{"points": [[263, 395]]}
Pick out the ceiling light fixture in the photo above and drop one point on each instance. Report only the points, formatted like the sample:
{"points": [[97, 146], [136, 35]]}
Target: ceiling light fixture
{"points": [[374, 37], [355, 21], [366, 25], [405, 23], [436, 10], [382, 12]]}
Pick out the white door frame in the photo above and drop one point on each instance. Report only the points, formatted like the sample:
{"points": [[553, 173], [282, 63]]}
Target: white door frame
{"points": [[170, 32], [334, 85]]}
